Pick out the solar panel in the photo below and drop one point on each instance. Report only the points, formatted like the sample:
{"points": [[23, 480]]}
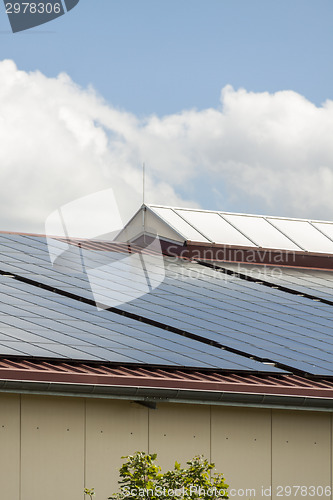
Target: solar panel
{"points": [[263, 322], [287, 330], [307, 281], [43, 324]]}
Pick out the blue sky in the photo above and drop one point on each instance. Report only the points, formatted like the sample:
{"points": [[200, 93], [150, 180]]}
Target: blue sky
{"points": [[262, 145], [158, 56]]}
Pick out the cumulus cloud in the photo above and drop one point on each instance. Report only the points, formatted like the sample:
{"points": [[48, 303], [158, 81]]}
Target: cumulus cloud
{"points": [[59, 142]]}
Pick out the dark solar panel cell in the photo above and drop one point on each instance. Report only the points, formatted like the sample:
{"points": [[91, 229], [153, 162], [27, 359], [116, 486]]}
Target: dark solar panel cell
{"points": [[7, 350], [27, 348], [95, 352]]}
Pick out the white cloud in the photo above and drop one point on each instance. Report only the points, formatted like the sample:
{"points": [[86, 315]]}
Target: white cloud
{"points": [[59, 142]]}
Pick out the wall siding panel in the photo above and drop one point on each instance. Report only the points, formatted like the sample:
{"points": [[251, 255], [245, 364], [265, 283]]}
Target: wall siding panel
{"points": [[179, 432], [301, 451], [113, 429], [241, 448], [52, 448], [10, 446]]}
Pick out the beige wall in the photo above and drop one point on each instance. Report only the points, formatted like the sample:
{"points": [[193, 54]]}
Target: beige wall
{"points": [[51, 447], [241, 446]]}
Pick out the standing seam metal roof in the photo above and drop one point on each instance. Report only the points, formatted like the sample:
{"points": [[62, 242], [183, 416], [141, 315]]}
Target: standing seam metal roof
{"points": [[255, 231]]}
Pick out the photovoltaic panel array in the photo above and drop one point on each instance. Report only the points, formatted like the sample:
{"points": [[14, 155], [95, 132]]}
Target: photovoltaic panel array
{"points": [[37, 322], [261, 322], [291, 330], [318, 283]]}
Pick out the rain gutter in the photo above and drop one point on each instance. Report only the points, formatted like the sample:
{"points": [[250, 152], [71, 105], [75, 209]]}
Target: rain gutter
{"points": [[153, 395]]}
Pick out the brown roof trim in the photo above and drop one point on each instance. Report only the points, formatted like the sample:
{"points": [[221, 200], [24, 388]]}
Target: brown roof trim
{"points": [[246, 255], [192, 250], [125, 376], [19, 233]]}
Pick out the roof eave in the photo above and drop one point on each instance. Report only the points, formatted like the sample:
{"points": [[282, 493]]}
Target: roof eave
{"points": [[168, 395]]}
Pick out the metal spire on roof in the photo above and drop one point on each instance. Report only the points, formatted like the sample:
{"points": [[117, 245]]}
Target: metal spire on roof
{"points": [[143, 202]]}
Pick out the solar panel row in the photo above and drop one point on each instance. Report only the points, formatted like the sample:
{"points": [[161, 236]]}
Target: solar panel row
{"points": [[37, 322], [308, 281], [261, 322]]}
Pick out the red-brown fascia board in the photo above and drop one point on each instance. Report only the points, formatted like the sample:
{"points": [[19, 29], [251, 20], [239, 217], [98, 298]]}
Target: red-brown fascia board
{"points": [[196, 250], [246, 255], [288, 385]]}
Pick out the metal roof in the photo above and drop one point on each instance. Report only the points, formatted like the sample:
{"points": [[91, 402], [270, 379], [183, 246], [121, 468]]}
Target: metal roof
{"points": [[104, 374], [153, 386], [253, 231]]}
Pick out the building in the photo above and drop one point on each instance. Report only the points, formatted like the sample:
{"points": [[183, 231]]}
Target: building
{"points": [[221, 346]]}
